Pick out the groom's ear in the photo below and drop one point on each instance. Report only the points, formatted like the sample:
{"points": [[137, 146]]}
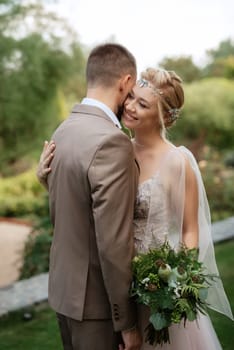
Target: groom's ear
{"points": [[126, 82]]}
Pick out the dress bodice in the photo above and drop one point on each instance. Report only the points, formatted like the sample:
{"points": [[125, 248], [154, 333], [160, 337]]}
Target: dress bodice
{"points": [[158, 228]]}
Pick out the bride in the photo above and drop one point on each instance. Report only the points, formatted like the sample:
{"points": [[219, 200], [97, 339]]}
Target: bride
{"points": [[171, 200]]}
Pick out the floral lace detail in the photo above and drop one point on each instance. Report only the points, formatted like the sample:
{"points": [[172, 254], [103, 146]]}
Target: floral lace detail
{"points": [[156, 232]]}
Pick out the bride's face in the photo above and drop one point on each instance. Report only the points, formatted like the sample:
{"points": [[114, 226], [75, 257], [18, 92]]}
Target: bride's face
{"points": [[140, 109]]}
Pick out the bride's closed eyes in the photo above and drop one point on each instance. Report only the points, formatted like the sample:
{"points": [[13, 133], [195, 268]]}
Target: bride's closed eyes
{"points": [[142, 102]]}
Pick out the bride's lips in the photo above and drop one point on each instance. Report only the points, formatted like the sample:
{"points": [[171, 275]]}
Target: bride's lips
{"points": [[129, 117]]}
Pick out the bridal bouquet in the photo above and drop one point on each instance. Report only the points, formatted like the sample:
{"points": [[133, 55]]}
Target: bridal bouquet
{"points": [[173, 284]]}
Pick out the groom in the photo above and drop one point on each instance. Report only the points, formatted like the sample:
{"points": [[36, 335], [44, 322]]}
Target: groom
{"points": [[92, 188]]}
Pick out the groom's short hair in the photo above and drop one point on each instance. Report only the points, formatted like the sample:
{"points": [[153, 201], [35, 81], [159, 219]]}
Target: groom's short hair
{"points": [[107, 63]]}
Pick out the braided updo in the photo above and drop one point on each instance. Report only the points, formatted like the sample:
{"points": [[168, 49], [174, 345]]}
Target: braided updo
{"points": [[168, 86]]}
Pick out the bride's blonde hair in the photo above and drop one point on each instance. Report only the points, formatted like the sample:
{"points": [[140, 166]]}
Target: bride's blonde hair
{"points": [[168, 86]]}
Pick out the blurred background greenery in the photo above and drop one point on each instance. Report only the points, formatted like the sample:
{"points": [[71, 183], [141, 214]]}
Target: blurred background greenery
{"points": [[43, 74]]}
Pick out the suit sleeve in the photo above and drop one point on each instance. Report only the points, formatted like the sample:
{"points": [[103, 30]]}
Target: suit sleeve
{"points": [[112, 177]]}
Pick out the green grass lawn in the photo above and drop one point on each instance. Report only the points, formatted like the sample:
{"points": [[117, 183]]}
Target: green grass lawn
{"points": [[223, 325], [41, 332]]}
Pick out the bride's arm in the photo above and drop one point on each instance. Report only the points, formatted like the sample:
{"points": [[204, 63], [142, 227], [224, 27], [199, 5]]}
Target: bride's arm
{"points": [[190, 229], [43, 168]]}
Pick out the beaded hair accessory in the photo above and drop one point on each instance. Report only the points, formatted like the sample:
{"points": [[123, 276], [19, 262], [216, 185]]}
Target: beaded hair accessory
{"points": [[173, 112], [145, 83]]}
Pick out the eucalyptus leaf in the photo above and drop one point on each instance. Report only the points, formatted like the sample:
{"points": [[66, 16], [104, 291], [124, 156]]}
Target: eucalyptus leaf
{"points": [[158, 321], [191, 316], [203, 293]]}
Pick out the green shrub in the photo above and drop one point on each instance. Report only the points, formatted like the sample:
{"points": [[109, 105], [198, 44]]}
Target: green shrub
{"points": [[36, 255], [218, 180], [21, 195], [229, 159], [207, 115], [36, 251]]}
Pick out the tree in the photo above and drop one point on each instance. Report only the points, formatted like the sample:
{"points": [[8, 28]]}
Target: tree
{"points": [[224, 49], [36, 68], [207, 116], [183, 66], [221, 60]]}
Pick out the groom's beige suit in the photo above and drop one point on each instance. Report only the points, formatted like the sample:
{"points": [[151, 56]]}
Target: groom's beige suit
{"points": [[92, 189]]}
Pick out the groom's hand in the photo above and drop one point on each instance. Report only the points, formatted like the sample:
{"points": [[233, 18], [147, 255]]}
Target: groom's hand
{"points": [[132, 340]]}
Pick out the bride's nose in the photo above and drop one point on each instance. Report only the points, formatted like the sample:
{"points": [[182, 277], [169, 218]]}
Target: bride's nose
{"points": [[129, 105]]}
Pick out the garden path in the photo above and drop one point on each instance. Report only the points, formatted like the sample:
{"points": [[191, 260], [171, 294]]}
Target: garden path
{"points": [[13, 235]]}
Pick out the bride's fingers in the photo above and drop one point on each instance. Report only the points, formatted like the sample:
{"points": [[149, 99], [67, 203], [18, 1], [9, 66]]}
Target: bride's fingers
{"points": [[46, 143], [48, 148], [121, 347], [47, 160], [46, 171], [44, 151], [50, 151], [47, 152], [44, 165], [51, 145]]}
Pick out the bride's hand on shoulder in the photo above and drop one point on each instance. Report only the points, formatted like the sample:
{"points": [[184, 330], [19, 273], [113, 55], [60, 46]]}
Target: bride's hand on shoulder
{"points": [[43, 168]]}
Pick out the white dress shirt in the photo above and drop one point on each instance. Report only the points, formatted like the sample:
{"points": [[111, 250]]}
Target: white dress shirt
{"points": [[103, 107]]}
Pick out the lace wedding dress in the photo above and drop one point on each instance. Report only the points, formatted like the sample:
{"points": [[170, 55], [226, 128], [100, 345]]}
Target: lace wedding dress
{"points": [[159, 215]]}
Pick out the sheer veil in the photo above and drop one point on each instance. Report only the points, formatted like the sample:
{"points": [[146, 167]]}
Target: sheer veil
{"points": [[170, 185]]}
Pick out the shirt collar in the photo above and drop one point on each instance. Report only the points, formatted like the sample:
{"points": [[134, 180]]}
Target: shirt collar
{"points": [[103, 107]]}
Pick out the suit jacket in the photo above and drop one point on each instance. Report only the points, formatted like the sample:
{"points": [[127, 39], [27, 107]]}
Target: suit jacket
{"points": [[92, 190]]}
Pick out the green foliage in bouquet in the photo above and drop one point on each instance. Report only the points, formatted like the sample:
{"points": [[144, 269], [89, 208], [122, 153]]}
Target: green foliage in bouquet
{"points": [[173, 284]]}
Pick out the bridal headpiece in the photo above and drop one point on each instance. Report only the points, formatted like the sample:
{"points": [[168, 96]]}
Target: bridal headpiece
{"points": [[173, 114], [145, 83]]}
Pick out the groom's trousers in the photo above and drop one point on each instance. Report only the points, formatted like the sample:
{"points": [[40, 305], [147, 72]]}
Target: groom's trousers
{"points": [[87, 334]]}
